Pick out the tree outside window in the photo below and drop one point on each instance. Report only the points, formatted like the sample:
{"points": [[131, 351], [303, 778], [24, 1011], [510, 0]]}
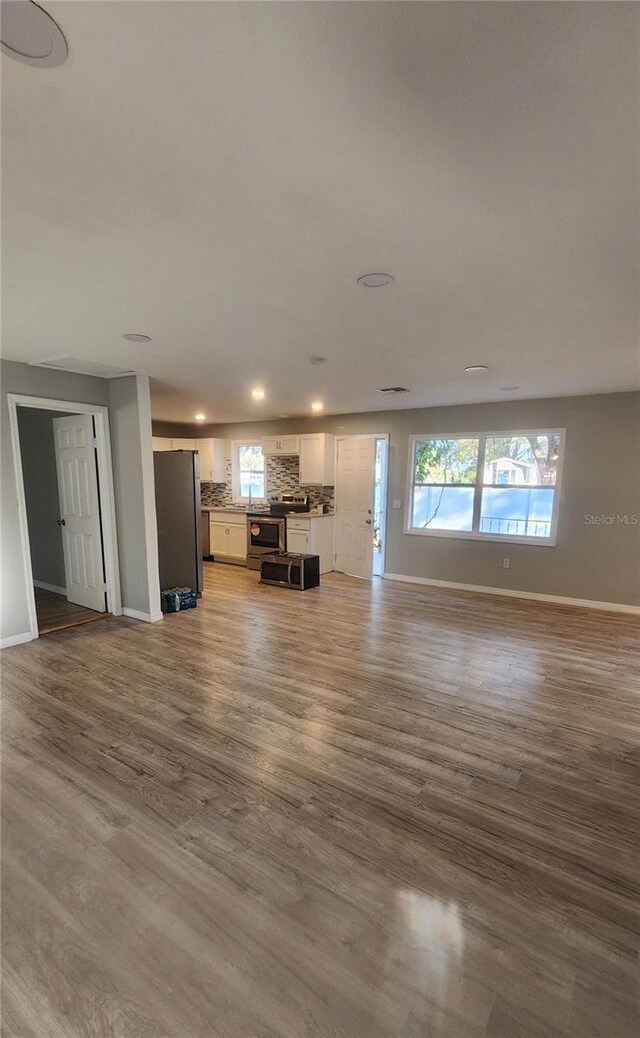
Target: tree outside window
{"points": [[497, 485], [249, 477]]}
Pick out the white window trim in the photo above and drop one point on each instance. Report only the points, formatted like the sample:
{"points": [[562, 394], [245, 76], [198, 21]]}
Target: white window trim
{"points": [[235, 473], [475, 535]]}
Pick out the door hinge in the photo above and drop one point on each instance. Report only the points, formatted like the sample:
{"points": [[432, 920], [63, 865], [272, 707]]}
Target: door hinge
{"points": [[94, 442], [105, 587]]}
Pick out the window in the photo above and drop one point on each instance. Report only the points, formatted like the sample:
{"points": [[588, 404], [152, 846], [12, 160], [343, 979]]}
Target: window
{"points": [[248, 472], [499, 486]]}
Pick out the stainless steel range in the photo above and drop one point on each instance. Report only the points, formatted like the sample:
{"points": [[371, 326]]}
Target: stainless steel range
{"points": [[267, 534]]}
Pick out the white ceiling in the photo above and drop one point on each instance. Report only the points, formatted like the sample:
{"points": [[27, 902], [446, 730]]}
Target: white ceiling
{"points": [[217, 175]]}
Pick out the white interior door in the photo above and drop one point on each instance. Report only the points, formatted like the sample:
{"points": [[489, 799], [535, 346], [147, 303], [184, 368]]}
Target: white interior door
{"points": [[355, 486], [79, 510]]}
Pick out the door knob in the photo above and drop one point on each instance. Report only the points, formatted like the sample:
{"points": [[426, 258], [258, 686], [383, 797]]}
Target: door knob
{"points": [[60, 522]]}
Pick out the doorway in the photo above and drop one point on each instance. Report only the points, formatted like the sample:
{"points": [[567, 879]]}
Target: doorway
{"points": [[62, 501], [380, 505], [361, 494], [66, 511]]}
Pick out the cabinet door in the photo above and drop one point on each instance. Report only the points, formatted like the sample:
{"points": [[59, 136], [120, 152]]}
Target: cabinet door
{"points": [[219, 541], [280, 445], [237, 542], [317, 465], [221, 452], [312, 459], [205, 450], [298, 541]]}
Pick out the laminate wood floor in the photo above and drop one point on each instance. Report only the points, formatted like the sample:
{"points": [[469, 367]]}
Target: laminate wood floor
{"points": [[366, 811], [55, 612]]}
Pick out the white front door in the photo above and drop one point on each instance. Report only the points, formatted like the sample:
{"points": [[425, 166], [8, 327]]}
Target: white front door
{"points": [[355, 485], [79, 510]]}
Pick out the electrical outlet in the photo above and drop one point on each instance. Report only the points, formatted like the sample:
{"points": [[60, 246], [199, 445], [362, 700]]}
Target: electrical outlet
{"points": [[506, 563], [397, 503]]}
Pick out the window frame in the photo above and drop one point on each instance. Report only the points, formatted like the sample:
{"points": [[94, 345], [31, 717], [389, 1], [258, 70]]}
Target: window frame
{"points": [[476, 534], [235, 473]]}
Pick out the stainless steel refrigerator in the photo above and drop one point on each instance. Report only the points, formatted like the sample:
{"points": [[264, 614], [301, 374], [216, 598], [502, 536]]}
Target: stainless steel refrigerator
{"points": [[177, 477]]}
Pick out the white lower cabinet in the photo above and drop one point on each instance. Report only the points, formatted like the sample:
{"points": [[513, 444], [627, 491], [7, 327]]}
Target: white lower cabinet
{"points": [[298, 541], [228, 536], [313, 535]]}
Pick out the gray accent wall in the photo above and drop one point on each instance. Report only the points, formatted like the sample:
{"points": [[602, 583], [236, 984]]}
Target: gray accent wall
{"points": [[37, 447], [29, 381], [130, 421], [598, 561]]}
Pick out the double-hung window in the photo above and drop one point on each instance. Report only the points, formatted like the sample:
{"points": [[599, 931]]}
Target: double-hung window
{"points": [[494, 486], [248, 473]]}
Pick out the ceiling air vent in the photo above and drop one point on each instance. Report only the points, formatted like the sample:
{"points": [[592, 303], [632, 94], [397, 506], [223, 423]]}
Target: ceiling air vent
{"points": [[82, 367], [391, 390]]}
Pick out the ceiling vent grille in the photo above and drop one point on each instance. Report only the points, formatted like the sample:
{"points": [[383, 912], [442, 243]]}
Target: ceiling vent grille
{"points": [[82, 367], [392, 390]]}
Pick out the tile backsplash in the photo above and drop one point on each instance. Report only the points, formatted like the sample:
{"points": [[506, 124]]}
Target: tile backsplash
{"points": [[283, 477]]}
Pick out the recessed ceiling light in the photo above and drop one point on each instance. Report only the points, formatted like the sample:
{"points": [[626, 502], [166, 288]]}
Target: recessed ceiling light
{"points": [[257, 394], [317, 405], [136, 337], [509, 389], [200, 417], [375, 280], [283, 416], [475, 369], [30, 35], [392, 389]]}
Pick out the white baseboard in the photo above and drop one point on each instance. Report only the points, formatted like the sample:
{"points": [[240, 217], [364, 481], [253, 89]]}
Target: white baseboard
{"points": [[50, 587], [582, 603], [135, 614], [16, 639]]}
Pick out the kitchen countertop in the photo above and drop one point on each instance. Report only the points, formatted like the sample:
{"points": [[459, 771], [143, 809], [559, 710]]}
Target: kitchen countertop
{"points": [[310, 515], [231, 508], [256, 511]]}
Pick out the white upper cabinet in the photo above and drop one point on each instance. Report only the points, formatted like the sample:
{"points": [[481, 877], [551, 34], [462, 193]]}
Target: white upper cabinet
{"points": [[280, 445], [317, 459], [213, 460], [213, 455], [184, 445]]}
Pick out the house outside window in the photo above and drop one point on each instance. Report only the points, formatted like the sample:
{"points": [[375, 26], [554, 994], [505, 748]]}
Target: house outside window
{"points": [[248, 473], [493, 486]]}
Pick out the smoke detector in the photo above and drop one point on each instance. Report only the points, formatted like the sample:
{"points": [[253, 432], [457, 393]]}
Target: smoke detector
{"points": [[30, 35], [376, 280]]}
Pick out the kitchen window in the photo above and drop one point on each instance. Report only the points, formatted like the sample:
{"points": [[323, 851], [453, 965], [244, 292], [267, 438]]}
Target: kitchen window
{"points": [[500, 486], [248, 473]]}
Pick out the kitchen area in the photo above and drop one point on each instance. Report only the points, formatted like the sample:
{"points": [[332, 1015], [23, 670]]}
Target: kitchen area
{"points": [[272, 495]]}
